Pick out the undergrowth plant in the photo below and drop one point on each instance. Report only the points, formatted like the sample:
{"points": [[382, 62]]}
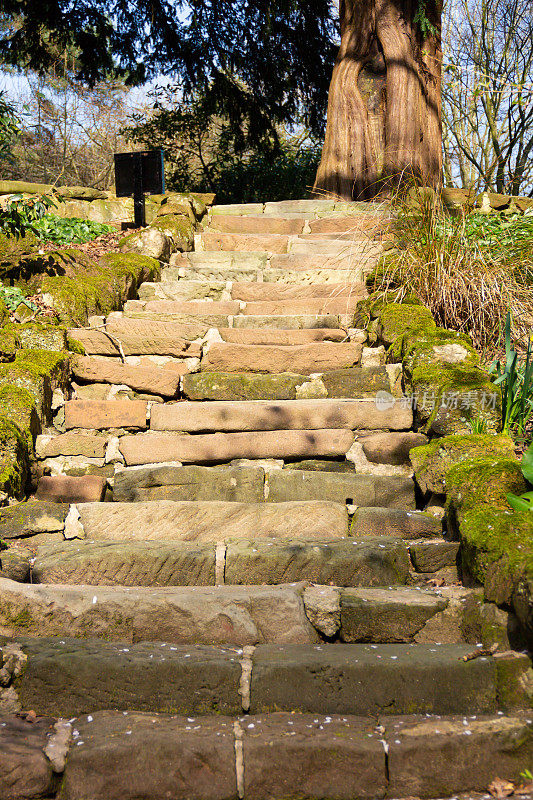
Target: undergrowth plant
{"points": [[515, 377], [68, 230], [524, 502], [20, 215], [468, 268]]}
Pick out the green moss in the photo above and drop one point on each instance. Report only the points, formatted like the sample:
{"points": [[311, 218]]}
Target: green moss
{"points": [[484, 480], [397, 319], [179, 228], [38, 372], [371, 307], [432, 461], [14, 459], [73, 346], [8, 343], [18, 406], [440, 347]]}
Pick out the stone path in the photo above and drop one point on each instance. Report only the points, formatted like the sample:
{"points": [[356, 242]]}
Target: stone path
{"points": [[230, 594]]}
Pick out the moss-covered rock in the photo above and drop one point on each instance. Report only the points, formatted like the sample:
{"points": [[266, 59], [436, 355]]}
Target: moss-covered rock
{"points": [[148, 241], [179, 228], [18, 406], [179, 206], [371, 307], [8, 343], [29, 336], [14, 460], [111, 210], [432, 461], [398, 319], [38, 372], [440, 347], [483, 480]]}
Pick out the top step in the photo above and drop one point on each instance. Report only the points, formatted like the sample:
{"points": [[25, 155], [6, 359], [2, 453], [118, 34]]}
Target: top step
{"points": [[263, 223], [298, 208]]}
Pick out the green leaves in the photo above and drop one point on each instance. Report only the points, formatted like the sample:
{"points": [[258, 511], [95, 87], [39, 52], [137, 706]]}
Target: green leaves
{"points": [[13, 298], [516, 380], [524, 502], [66, 231], [20, 215]]}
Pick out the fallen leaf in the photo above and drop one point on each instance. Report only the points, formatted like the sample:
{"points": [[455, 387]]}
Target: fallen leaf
{"points": [[501, 788]]}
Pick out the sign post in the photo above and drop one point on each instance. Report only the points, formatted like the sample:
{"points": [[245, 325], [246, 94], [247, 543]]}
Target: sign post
{"points": [[138, 174]]}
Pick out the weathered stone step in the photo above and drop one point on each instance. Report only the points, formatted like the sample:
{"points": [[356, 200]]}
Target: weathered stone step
{"points": [[305, 358], [332, 304], [280, 291], [103, 414], [140, 337], [287, 338], [222, 272], [250, 223], [110, 755], [293, 321], [211, 310], [303, 263], [344, 562], [355, 246], [156, 447], [210, 521], [70, 677], [163, 382], [372, 224], [262, 415], [349, 383], [250, 484], [216, 615]]}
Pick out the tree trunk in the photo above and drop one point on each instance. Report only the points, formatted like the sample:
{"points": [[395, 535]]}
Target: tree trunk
{"points": [[384, 106]]}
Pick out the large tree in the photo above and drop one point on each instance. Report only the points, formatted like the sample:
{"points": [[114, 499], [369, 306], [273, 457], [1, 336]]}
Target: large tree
{"points": [[384, 110], [265, 63]]}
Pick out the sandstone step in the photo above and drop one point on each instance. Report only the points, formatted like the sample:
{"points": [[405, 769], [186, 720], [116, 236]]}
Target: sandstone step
{"points": [[344, 562], [314, 261], [237, 208], [243, 242], [210, 521], [216, 615], [163, 382], [188, 308], [154, 447], [140, 337], [250, 292], [249, 223], [220, 273], [431, 556], [261, 415], [102, 414], [304, 358], [117, 756], [369, 522], [373, 224], [293, 321], [279, 244], [216, 258], [285, 338], [69, 677], [184, 290], [312, 305], [345, 383], [68, 489], [358, 490]]}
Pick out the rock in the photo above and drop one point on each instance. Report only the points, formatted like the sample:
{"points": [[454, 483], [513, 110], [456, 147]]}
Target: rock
{"points": [[386, 615], [322, 606], [159, 381], [160, 447], [369, 522], [372, 679], [218, 615], [125, 564], [66, 489], [25, 771], [233, 223], [373, 357], [243, 386], [285, 338], [289, 321], [127, 757], [99, 414], [30, 518], [167, 482], [183, 290], [70, 677], [243, 242], [339, 487], [148, 241], [341, 563], [332, 304], [212, 521], [276, 292], [138, 337], [71, 444], [15, 564], [392, 448], [305, 358], [434, 555], [259, 415], [301, 755], [357, 382]]}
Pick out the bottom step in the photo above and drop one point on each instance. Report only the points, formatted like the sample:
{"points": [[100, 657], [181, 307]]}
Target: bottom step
{"points": [[110, 755], [67, 677]]}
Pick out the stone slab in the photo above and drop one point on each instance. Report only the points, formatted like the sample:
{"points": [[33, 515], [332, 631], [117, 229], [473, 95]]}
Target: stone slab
{"points": [[232, 223], [163, 382], [71, 444], [344, 304], [386, 615], [68, 489], [304, 358], [298, 755], [262, 336], [169, 482], [434, 555], [288, 321], [182, 290], [69, 677], [261, 415], [392, 448], [102, 414], [356, 382], [221, 447], [25, 771], [212, 615], [244, 242], [368, 522], [315, 261], [140, 337], [373, 224], [212, 521], [266, 291], [241, 386], [465, 753], [32, 518], [192, 307], [338, 487], [118, 757], [372, 679], [206, 320], [236, 208], [347, 562], [142, 563], [306, 277]]}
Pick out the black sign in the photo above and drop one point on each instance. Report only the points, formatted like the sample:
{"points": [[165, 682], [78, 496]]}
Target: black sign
{"points": [[137, 174]]}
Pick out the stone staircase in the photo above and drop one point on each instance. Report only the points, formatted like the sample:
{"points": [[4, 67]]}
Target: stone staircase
{"points": [[234, 591]]}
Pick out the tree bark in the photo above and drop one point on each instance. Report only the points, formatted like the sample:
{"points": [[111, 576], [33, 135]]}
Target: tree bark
{"points": [[384, 105]]}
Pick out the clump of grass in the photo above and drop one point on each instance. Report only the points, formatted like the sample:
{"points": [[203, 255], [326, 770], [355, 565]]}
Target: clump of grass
{"points": [[469, 269]]}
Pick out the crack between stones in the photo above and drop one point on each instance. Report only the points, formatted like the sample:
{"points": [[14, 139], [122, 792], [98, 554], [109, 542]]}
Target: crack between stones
{"points": [[246, 676], [239, 758], [220, 563]]}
